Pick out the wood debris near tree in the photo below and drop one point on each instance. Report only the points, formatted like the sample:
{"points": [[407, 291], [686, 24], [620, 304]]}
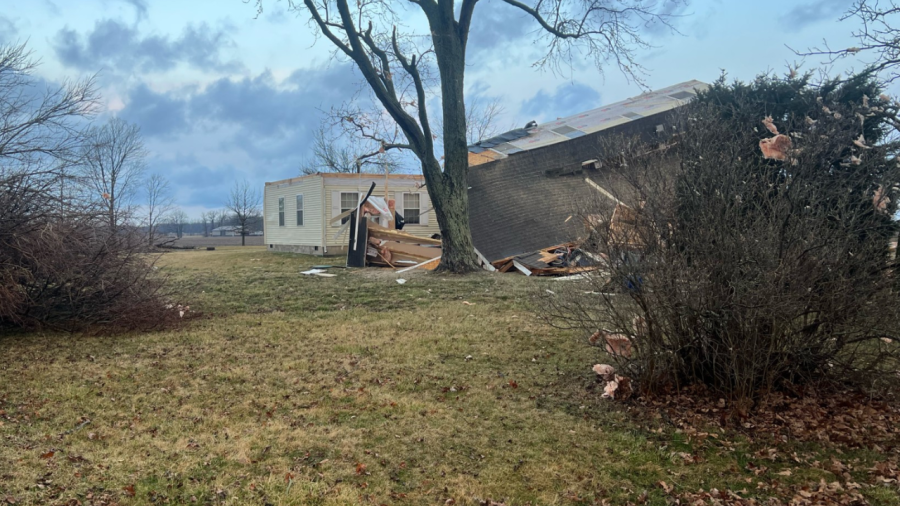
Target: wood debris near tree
{"points": [[399, 250], [372, 244], [560, 260]]}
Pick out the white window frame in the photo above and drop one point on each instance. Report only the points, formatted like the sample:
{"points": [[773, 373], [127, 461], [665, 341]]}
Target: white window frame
{"points": [[300, 210], [417, 208], [280, 211], [345, 209]]}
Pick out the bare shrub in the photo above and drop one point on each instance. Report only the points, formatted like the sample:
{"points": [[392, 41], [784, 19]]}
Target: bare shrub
{"points": [[69, 275], [742, 271], [63, 263]]}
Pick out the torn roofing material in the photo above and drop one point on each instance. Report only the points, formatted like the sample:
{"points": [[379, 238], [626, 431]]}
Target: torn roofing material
{"points": [[523, 203], [578, 125]]}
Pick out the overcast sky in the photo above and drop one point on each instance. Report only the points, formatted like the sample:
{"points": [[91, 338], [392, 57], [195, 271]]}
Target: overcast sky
{"points": [[221, 95]]}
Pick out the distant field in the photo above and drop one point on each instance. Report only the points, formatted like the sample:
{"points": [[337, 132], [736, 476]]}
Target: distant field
{"points": [[200, 241]]}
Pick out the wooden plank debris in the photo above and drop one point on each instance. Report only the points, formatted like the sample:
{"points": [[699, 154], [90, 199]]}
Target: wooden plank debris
{"points": [[560, 260], [429, 265]]}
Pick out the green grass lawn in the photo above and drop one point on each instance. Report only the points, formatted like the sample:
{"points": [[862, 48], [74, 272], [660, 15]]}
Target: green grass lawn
{"points": [[292, 389]]}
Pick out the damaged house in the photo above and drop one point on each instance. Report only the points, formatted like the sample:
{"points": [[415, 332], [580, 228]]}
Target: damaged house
{"points": [[525, 185], [305, 214]]}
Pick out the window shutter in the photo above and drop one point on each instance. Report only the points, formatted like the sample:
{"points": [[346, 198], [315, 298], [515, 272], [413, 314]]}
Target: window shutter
{"points": [[424, 204], [335, 207]]}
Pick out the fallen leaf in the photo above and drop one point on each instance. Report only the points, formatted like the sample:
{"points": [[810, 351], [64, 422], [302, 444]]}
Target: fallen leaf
{"points": [[129, 489], [48, 455]]}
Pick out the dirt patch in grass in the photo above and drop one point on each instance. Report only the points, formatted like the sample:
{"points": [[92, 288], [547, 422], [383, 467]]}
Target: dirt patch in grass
{"points": [[293, 389], [198, 241]]}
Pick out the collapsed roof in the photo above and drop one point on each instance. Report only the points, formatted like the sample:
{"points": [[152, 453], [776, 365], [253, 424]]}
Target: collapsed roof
{"points": [[526, 184]]}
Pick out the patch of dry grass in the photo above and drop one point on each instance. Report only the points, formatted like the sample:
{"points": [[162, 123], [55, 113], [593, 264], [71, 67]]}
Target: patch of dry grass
{"points": [[291, 389]]}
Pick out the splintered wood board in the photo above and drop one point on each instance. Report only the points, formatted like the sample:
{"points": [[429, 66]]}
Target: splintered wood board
{"points": [[396, 235]]}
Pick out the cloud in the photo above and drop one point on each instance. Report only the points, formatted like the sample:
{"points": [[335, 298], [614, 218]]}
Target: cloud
{"points": [[813, 12], [195, 183], [51, 8], [674, 12], [8, 31], [566, 100], [140, 8], [496, 25], [114, 45], [158, 114], [256, 127]]}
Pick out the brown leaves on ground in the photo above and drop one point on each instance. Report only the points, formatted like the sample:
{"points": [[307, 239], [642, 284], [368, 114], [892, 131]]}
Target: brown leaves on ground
{"points": [[821, 493], [838, 418]]}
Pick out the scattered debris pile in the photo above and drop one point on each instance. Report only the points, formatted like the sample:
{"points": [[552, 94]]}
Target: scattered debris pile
{"points": [[374, 240], [398, 250], [560, 260]]}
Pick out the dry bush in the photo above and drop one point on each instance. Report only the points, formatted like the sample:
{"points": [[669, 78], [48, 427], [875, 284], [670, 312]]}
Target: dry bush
{"points": [[743, 272], [69, 273], [62, 264]]}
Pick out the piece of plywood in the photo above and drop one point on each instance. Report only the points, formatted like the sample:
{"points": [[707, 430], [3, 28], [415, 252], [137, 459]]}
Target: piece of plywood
{"points": [[429, 265], [396, 235], [411, 249], [484, 262], [524, 270]]}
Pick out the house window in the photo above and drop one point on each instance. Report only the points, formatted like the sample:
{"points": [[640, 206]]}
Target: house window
{"points": [[280, 211], [348, 202], [411, 208], [299, 210]]}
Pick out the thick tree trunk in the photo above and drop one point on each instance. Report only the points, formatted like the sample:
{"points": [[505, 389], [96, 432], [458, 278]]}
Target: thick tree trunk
{"points": [[449, 191], [451, 206]]}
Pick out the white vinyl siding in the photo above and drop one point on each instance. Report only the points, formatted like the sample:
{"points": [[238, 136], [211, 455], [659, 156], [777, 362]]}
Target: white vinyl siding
{"points": [[299, 210], [310, 234], [320, 200]]}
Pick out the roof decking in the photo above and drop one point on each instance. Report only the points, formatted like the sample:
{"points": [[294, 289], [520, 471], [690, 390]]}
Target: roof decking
{"points": [[529, 199], [578, 125]]}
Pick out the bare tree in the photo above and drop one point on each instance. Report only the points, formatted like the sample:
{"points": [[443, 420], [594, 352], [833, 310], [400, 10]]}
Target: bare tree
{"points": [[335, 153], [244, 202], [396, 68], [159, 203], [221, 217], [113, 161], [208, 219], [56, 271], [481, 119], [878, 38], [39, 134], [176, 221]]}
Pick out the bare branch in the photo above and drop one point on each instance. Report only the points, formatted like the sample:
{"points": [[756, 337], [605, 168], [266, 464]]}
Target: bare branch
{"points": [[878, 39], [600, 29], [244, 201]]}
